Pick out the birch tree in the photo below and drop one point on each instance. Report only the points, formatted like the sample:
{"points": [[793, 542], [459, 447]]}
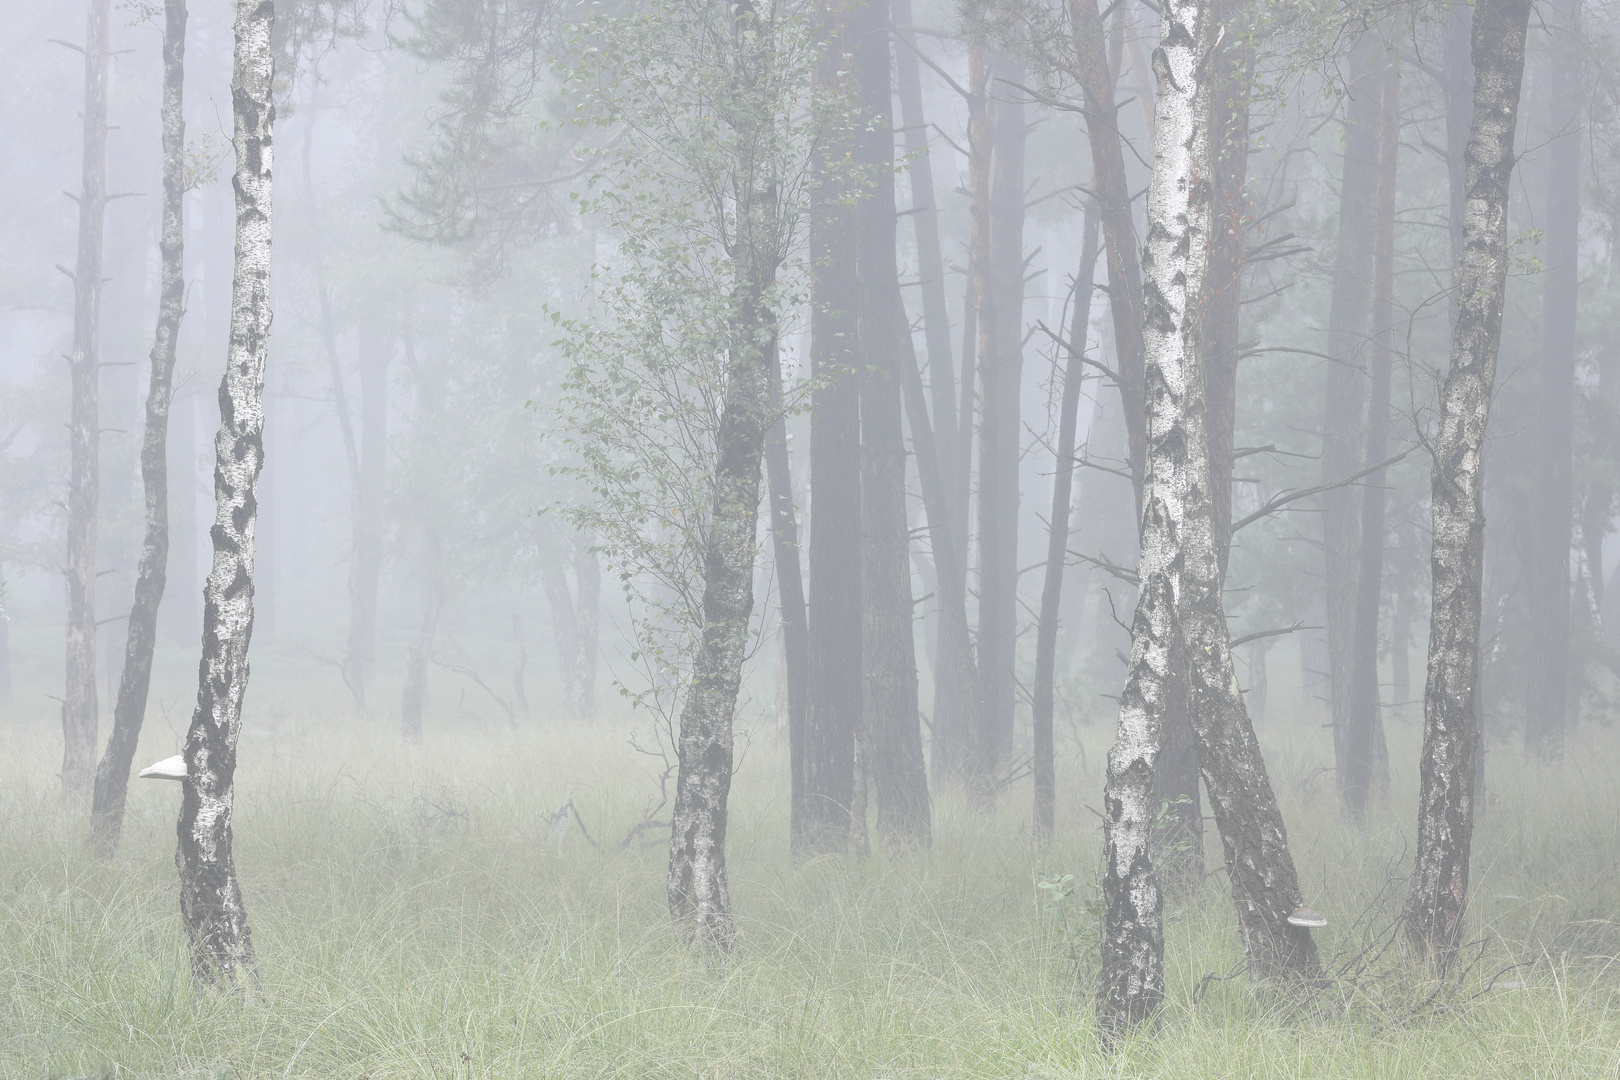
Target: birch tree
{"points": [[1179, 607], [210, 896], [671, 390], [1439, 889]]}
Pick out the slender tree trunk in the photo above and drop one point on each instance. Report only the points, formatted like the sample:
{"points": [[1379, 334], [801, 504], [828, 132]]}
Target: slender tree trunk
{"points": [[80, 709], [587, 616], [413, 699], [1364, 735], [112, 775], [210, 898], [1548, 575], [789, 578], [1439, 886], [1458, 63], [826, 775], [1119, 230], [943, 439], [1000, 427], [699, 899], [365, 562], [894, 753], [1179, 604], [1057, 542], [1343, 407]]}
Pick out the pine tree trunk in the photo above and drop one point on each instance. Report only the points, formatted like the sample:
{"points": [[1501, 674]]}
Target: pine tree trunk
{"points": [[1001, 426], [1057, 541], [1343, 407], [365, 565], [210, 898], [1548, 576], [889, 701], [1364, 737], [825, 774], [112, 775], [1439, 884], [80, 708]]}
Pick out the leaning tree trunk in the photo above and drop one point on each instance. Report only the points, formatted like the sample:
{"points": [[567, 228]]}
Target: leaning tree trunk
{"points": [[893, 732], [112, 775], [1057, 538], [1439, 888], [1179, 603], [1119, 230], [80, 708], [210, 898], [1548, 575], [1364, 738]]}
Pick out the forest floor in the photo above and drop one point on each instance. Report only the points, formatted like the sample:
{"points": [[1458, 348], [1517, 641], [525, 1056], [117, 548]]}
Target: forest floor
{"points": [[415, 915]]}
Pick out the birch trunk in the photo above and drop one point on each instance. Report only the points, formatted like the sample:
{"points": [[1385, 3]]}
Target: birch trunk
{"points": [[112, 775], [80, 708], [1057, 538], [699, 898], [1439, 887], [1365, 756], [210, 897], [1179, 602]]}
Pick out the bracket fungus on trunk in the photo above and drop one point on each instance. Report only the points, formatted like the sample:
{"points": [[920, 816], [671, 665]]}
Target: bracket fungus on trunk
{"points": [[170, 768]]}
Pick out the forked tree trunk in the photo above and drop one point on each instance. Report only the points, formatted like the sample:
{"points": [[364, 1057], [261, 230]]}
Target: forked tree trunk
{"points": [[80, 708], [1439, 887], [894, 754], [1057, 538], [112, 775], [823, 768], [210, 897], [1343, 407], [1179, 603], [1548, 575], [1364, 739]]}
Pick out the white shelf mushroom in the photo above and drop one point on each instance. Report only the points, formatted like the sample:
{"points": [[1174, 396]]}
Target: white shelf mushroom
{"points": [[1304, 916], [170, 768]]}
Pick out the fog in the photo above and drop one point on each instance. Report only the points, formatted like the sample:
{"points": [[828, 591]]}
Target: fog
{"points": [[996, 538]]}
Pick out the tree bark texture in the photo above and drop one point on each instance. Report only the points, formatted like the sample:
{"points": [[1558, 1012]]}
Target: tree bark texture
{"points": [[112, 775], [1365, 756], [210, 897], [80, 707], [1179, 602], [1553, 493], [699, 899], [824, 775], [1343, 406], [1057, 543], [1439, 886], [894, 754]]}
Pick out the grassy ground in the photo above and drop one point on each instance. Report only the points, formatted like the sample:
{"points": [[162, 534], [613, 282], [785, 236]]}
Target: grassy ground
{"points": [[414, 917]]}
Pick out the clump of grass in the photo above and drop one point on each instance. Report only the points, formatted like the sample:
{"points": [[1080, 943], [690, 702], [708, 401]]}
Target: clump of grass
{"points": [[414, 916]]}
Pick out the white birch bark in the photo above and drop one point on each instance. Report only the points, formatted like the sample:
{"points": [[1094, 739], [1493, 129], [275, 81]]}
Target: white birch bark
{"points": [[1439, 889], [210, 897]]}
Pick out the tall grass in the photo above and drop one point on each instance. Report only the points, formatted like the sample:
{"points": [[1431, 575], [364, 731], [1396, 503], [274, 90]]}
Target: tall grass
{"points": [[415, 916]]}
